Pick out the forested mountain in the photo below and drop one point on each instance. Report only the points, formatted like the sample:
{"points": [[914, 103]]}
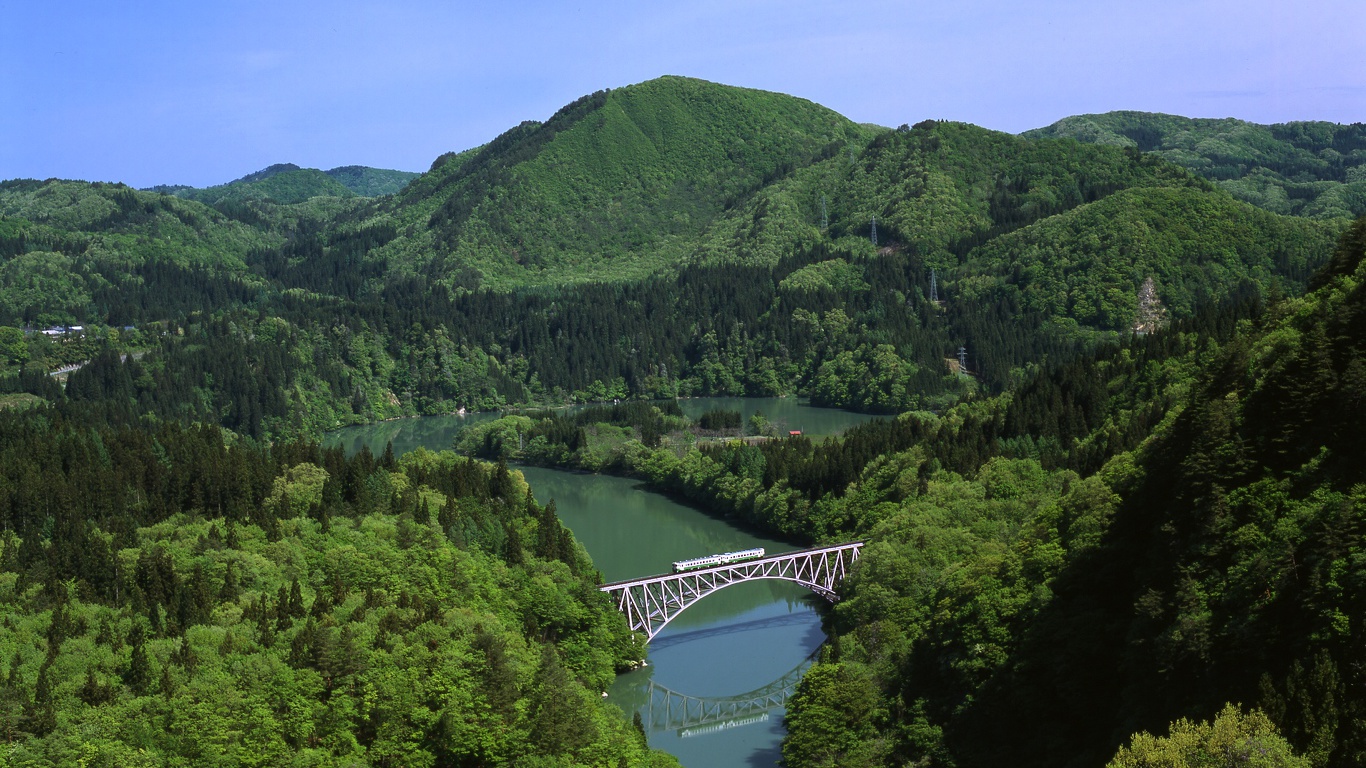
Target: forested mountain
{"points": [[616, 185], [1314, 169], [636, 203], [286, 183]]}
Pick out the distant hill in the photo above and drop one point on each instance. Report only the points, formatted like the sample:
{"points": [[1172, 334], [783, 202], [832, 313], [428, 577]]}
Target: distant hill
{"points": [[1313, 169], [618, 184], [372, 182], [73, 251], [286, 183], [646, 180]]}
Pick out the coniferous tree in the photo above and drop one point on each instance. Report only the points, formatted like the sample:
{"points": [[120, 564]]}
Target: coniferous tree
{"points": [[139, 674]]}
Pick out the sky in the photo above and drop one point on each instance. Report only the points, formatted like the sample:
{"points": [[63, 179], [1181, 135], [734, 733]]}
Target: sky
{"points": [[203, 92]]}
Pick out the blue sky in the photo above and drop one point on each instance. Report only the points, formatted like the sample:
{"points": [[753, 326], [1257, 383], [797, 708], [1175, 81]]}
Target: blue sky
{"points": [[204, 92]]}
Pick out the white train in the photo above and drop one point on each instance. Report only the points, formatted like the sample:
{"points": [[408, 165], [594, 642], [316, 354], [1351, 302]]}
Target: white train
{"points": [[725, 558]]}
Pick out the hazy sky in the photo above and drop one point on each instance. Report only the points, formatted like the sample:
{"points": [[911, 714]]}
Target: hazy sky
{"points": [[203, 92]]}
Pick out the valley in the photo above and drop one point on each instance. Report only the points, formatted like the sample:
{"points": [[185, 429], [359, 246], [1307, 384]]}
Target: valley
{"points": [[1090, 394]]}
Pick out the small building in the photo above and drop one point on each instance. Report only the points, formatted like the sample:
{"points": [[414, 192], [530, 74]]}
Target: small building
{"points": [[794, 433], [63, 330]]}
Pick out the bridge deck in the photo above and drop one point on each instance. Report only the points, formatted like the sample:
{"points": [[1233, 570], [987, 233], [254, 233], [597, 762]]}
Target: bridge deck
{"points": [[765, 558]]}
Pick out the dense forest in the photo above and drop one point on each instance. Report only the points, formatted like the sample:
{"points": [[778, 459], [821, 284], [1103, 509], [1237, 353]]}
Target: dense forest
{"points": [[1125, 527], [179, 596], [1304, 168]]}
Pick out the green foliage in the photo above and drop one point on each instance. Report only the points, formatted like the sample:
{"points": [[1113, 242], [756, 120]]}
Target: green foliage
{"points": [[833, 715], [285, 183], [333, 622], [13, 346], [616, 185], [76, 252], [833, 275], [1108, 533], [1086, 265], [372, 182], [1310, 169], [715, 195], [1234, 739]]}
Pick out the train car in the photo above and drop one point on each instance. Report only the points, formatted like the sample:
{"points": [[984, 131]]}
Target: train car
{"points": [[725, 558]]}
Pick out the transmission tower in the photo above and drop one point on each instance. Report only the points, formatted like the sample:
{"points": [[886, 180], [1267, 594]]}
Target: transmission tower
{"points": [[934, 288], [825, 214], [963, 361], [874, 233]]}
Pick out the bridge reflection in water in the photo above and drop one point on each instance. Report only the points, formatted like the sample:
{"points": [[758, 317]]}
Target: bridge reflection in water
{"points": [[668, 710]]}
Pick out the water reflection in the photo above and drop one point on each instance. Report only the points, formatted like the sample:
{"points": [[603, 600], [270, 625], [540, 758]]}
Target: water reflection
{"points": [[665, 709], [784, 413], [435, 433]]}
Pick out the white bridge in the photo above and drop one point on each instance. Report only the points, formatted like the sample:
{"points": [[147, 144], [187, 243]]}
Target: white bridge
{"points": [[652, 602]]}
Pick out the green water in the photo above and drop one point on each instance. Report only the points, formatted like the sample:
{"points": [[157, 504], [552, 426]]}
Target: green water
{"points": [[436, 433], [739, 640], [785, 413]]}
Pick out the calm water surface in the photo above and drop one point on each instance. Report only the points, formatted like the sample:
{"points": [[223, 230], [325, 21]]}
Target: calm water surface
{"points": [[785, 413], [746, 639]]}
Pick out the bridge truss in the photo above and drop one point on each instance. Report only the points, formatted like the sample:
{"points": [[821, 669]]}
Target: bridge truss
{"points": [[652, 602]]}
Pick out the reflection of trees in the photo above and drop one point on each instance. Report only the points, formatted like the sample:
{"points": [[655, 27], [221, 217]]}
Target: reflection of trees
{"points": [[436, 433]]}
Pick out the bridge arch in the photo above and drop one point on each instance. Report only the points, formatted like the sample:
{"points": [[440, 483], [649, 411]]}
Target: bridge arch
{"points": [[652, 602]]}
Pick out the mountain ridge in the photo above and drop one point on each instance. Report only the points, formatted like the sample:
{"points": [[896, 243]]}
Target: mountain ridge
{"points": [[287, 183], [1310, 168]]}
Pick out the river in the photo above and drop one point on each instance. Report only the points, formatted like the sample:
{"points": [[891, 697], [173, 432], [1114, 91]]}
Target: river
{"points": [[745, 642]]}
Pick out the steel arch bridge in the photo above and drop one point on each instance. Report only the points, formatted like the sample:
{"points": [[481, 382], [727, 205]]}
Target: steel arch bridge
{"points": [[650, 603], [670, 710]]}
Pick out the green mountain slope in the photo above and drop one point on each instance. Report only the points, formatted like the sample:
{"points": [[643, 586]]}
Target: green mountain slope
{"points": [[1144, 534], [616, 185], [939, 188], [371, 182], [1087, 265], [1070, 232], [1312, 169], [73, 250]]}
